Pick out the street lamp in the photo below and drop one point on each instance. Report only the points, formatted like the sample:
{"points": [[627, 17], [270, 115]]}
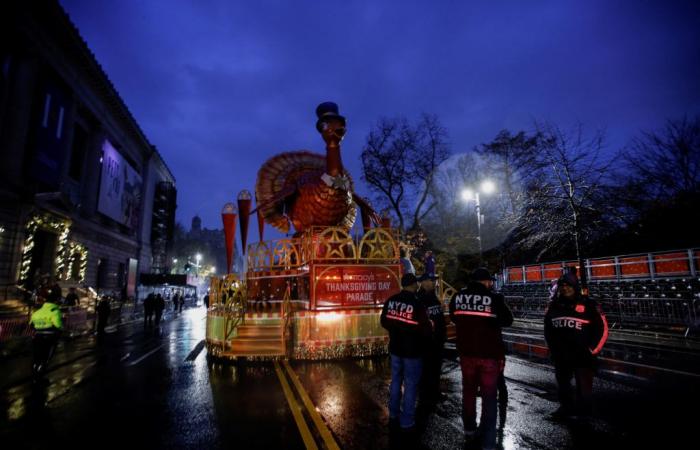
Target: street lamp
{"points": [[487, 187]]}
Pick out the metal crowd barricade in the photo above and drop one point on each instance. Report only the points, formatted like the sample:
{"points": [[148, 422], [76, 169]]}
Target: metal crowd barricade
{"points": [[657, 311], [14, 326], [75, 321], [527, 307], [622, 311]]}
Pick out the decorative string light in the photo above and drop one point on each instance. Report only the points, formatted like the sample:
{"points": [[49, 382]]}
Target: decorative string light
{"points": [[49, 223], [79, 249]]}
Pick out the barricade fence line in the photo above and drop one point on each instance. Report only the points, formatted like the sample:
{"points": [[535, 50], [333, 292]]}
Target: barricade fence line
{"points": [[76, 320], [637, 311], [669, 263]]}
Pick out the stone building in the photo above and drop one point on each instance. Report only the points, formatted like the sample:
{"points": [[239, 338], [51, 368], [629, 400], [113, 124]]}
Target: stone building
{"points": [[84, 196]]}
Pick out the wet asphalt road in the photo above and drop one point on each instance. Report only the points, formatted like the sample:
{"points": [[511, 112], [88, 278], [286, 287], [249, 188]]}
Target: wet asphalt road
{"points": [[141, 389]]}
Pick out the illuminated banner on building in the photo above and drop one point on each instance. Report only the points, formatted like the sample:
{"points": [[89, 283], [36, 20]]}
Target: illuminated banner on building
{"points": [[354, 285], [120, 188]]}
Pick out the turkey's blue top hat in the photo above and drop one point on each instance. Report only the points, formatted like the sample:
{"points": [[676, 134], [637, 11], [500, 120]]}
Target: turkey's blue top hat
{"points": [[327, 111]]}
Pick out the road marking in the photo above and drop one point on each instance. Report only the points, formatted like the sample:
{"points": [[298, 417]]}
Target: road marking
{"points": [[296, 410], [195, 351], [133, 363], [311, 409]]}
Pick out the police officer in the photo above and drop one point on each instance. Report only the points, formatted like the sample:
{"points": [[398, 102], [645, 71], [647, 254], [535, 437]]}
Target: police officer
{"points": [[478, 314], [47, 325], [432, 361], [575, 331], [409, 330], [103, 310]]}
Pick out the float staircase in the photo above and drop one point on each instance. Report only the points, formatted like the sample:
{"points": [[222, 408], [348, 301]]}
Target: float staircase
{"points": [[259, 340]]}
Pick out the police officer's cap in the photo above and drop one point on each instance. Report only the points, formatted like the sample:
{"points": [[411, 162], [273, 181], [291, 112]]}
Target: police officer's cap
{"points": [[408, 280], [481, 274]]}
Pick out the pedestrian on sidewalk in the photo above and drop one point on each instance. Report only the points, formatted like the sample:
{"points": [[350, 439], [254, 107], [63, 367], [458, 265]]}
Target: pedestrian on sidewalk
{"points": [[149, 304], [158, 308], [181, 303], [104, 308], [176, 302], [575, 330], [72, 298], [47, 324], [409, 330], [432, 361], [479, 314]]}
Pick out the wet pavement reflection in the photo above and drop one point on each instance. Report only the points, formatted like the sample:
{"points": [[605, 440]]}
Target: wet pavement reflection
{"points": [[158, 389]]}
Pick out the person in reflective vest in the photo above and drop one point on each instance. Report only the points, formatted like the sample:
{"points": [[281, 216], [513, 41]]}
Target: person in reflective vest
{"points": [[47, 324], [575, 330]]}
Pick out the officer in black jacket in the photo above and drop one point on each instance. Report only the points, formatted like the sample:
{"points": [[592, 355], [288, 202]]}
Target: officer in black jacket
{"points": [[479, 314], [432, 361], [409, 331], [575, 331]]}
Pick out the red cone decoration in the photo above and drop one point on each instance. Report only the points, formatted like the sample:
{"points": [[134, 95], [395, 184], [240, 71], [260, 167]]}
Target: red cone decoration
{"points": [[228, 217], [244, 203]]}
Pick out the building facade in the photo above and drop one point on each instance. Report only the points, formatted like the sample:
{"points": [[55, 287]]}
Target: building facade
{"points": [[84, 196]]}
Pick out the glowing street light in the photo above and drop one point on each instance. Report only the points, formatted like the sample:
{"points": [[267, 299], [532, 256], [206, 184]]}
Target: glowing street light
{"points": [[487, 187]]}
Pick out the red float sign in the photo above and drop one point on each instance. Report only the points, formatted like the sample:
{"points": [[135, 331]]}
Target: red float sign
{"points": [[347, 286]]}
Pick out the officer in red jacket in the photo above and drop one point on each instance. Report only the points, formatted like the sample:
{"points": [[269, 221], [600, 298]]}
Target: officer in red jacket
{"points": [[479, 314], [575, 331]]}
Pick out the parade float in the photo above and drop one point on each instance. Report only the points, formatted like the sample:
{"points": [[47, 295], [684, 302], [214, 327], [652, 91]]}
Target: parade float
{"points": [[319, 293]]}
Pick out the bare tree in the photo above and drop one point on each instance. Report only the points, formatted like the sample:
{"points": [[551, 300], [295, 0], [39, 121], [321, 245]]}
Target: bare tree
{"points": [[430, 151], [398, 162], [665, 164], [510, 160], [565, 202]]}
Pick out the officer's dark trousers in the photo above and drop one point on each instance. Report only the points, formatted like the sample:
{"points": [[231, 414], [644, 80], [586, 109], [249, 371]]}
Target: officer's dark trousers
{"points": [[480, 373], [432, 369], [584, 387], [502, 399], [43, 345], [102, 323]]}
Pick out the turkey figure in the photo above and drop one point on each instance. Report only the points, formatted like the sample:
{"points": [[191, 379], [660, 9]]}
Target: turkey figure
{"points": [[307, 189]]}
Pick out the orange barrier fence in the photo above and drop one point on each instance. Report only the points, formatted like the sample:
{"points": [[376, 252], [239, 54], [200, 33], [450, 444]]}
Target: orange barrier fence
{"points": [[677, 263]]}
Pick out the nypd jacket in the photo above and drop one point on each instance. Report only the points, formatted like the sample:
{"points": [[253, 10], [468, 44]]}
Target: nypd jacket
{"points": [[575, 331], [436, 314], [47, 319], [408, 325], [479, 313]]}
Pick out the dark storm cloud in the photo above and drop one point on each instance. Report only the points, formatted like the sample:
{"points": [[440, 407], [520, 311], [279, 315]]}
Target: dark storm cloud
{"points": [[220, 86]]}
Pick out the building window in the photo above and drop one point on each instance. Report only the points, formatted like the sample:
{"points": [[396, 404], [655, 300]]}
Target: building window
{"points": [[77, 156]]}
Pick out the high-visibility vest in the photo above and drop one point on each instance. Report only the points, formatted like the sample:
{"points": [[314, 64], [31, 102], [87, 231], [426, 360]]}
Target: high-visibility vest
{"points": [[47, 317]]}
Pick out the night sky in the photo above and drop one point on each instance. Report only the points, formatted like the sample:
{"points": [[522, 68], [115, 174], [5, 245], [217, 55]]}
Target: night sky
{"points": [[219, 86]]}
